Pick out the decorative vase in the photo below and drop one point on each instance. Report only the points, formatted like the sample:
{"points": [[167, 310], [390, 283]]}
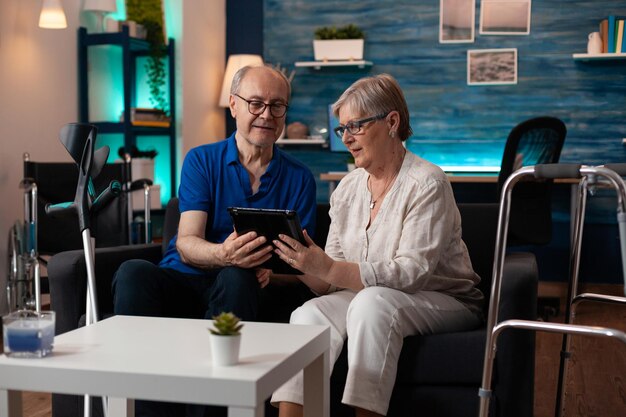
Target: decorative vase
{"points": [[338, 49], [594, 45], [225, 349]]}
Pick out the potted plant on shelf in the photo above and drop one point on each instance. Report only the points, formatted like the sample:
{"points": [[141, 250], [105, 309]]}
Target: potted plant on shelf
{"points": [[225, 339], [338, 44]]}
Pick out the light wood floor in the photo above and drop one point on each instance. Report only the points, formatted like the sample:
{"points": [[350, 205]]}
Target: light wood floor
{"points": [[596, 383]]}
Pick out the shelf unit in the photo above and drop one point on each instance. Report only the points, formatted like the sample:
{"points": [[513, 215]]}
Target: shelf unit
{"points": [[132, 48], [319, 64], [599, 57]]}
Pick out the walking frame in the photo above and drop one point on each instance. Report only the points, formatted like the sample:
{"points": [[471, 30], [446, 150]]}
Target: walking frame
{"points": [[587, 175]]}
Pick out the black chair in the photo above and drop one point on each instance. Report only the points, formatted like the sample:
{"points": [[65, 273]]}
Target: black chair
{"points": [[532, 142]]}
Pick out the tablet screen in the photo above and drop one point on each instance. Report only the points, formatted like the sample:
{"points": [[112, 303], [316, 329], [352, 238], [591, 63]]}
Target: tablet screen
{"points": [[269, 223]]}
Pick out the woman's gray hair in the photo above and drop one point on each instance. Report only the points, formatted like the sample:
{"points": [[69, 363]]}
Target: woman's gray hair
{"points": [[241, 74], [375, 95]]}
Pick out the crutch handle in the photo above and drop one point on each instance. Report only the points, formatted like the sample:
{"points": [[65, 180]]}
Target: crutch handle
{"points": [[553, 171], [60, 209]]}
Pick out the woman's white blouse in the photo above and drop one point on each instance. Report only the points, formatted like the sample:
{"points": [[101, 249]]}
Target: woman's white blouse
{"points": [[414, 243]]}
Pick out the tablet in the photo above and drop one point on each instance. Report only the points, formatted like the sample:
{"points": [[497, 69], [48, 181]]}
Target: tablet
{"points": [[269, 223]]}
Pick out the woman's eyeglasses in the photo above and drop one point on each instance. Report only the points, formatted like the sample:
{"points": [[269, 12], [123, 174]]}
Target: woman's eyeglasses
{"points": [[355, 126], [257, 107]]}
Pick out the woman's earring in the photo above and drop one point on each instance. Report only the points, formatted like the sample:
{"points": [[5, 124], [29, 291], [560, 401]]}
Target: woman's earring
{"points": [[392, 134]]}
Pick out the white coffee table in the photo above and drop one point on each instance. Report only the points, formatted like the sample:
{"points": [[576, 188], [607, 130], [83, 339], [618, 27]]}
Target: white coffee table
{"points": [[126, 358]]}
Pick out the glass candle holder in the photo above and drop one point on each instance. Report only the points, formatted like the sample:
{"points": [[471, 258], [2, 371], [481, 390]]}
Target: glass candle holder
{"points": [[28, 334]]}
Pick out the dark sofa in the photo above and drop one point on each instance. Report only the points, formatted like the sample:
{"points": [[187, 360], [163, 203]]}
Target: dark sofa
{"points": [[438, 375]]}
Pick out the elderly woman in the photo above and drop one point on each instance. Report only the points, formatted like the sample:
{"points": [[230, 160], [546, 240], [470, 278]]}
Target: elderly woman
{"points": [[394, 265]]}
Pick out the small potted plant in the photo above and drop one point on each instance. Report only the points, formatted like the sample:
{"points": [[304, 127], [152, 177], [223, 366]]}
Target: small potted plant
{"points": [[339, 44], [225, 339]]}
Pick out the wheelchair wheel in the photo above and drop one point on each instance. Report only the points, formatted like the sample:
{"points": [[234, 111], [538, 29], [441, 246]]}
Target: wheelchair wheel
{"points": [[19, 293]]}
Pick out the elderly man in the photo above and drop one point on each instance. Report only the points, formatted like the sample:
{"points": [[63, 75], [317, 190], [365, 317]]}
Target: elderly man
{"points": [[208, 268]]}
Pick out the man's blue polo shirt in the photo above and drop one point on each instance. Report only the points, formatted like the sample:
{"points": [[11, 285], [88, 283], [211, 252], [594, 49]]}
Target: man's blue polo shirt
{"points": [[213, 179]]}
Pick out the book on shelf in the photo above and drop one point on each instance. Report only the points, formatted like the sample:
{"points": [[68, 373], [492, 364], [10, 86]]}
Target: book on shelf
{"points": [[619, 38], [150, 123], [604, 34], [611, 34]]}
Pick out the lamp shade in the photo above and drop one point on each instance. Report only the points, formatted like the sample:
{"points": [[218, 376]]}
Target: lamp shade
{"points": [[235, 63], [52, 15], [101, 5]]}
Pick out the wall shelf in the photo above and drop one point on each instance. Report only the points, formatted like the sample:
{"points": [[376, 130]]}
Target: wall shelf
{"points": [[599, 57], [293, 142], [319, 64]]}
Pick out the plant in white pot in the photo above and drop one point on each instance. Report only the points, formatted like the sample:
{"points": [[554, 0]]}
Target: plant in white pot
{"points": [[339, 44], [225, 339]]}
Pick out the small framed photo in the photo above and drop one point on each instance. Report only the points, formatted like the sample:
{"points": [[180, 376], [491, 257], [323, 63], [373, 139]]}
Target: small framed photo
{"points": [[492, 66], [504, 17], [456, 21]]}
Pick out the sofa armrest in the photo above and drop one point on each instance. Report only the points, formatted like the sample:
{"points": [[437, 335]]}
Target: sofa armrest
{"points": [[515, 358], [67, 276]]}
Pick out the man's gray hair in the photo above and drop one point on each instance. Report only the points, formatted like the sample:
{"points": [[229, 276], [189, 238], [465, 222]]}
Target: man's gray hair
{"points": [[241, 74]]}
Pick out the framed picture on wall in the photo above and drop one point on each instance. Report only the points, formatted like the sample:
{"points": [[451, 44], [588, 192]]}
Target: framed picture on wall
{"points": [[492, 66], [456, 21], [504, 17]]}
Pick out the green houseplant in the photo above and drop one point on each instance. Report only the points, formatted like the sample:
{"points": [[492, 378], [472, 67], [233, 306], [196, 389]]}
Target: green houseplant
{"points": [[225, 339], [350, 31], [149, 13], [343, 43], [226, 324]]}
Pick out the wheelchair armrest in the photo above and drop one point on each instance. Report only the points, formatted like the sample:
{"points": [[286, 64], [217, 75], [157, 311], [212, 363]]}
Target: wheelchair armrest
{"points": [[67, 276], [139, 184]]}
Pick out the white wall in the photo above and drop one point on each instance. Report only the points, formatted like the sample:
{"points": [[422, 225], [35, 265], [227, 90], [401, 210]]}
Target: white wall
{"points": [[203, 51], [38, 89]]}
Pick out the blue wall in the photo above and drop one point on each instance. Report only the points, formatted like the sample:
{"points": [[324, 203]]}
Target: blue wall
{"points": [[461, 125], [455, 123]]}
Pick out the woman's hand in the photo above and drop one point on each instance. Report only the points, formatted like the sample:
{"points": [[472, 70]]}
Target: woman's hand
{"points": [[310, 259]]}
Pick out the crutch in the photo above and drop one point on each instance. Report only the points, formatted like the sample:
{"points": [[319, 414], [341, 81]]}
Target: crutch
{"points": [[494, 329], [79, 140], [573, 298]]}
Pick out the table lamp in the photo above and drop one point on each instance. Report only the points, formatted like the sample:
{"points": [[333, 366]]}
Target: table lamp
{"points": [[102, 8], [235, 63], [52, 15]]}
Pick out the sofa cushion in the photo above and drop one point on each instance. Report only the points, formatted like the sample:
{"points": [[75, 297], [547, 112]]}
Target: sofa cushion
{"points": [[447, 358]]}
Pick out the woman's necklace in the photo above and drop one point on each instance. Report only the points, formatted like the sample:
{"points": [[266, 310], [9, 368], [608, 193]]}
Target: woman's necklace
{"points": [[373, 201]]}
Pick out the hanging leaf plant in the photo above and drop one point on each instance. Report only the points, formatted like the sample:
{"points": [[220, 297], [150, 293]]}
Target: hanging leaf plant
{"points": [[149, 13]]}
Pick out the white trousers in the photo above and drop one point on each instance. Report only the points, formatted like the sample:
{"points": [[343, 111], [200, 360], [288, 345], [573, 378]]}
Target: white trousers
{"points": [[375, 321]]}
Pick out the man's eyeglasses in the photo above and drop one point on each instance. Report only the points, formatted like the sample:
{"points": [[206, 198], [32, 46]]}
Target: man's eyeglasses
{"points": [[257, 107], [355, 126]]}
